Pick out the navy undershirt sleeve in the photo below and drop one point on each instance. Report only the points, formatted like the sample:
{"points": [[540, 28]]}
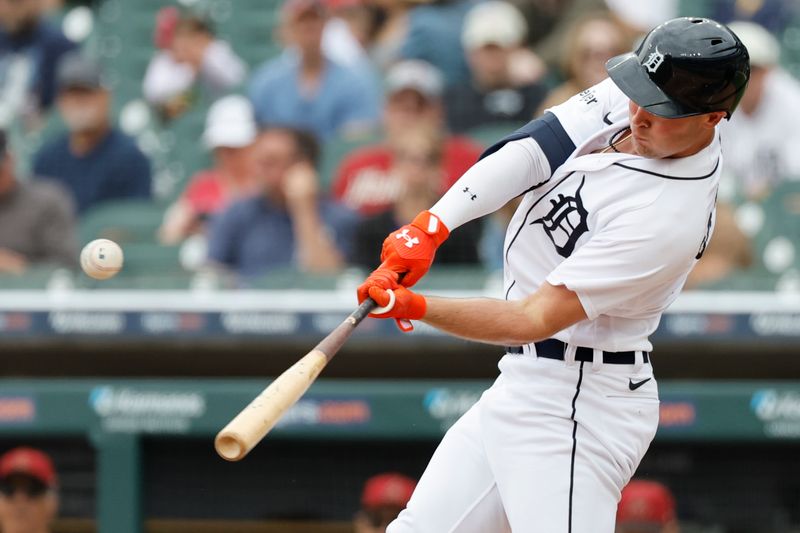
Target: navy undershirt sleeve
{"points": [[548, 132]]}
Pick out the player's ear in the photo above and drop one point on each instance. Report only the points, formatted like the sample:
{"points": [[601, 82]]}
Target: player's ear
{"points": [[714, 118]]}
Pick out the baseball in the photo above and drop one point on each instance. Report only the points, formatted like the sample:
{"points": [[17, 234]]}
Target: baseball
{"points": [[101, 259]]}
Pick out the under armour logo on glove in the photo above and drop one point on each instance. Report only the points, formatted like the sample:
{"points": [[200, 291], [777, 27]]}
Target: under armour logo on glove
{"points": [[410, 249], [410, 241]]}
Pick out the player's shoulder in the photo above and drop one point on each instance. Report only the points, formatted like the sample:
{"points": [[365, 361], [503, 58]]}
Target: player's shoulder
{"points": [[597, 100], [591, 110], [658, 193]]}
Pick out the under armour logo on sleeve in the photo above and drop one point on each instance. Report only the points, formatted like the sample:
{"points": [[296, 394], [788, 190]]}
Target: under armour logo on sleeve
{"points": [[410, 241]]}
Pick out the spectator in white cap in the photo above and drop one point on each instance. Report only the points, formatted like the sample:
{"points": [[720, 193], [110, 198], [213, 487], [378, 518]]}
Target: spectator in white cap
{"points": [[414, 91], [760, 142], [229, 133], [503, 85]]}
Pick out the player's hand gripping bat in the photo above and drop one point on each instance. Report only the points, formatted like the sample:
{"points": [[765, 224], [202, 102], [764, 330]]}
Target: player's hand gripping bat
{"points": [[254, 421]]}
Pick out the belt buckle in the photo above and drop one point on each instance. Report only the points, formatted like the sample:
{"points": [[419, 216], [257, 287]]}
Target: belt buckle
{"points": [[598, 358], [638, 360], [569, 353]]}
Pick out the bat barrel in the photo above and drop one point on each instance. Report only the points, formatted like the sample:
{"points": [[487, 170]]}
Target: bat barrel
{"points": [[229, 446], [260, 416], [254, 421]]}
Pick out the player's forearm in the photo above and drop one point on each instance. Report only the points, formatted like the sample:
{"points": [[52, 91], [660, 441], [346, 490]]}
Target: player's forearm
{"points": [[541, 315], [507, 323], [492, 182]]}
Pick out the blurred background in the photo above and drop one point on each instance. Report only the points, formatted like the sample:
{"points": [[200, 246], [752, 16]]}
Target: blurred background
{"points": [[249, 156]]}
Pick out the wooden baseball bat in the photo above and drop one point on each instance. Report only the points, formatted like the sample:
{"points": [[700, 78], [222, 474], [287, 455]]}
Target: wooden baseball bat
{"points": [[254, 421]]}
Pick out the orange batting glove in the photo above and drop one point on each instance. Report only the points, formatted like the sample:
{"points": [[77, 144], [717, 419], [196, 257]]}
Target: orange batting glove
{"points": [[394, 300], [398, 303], [380, 277], [411, 249]]}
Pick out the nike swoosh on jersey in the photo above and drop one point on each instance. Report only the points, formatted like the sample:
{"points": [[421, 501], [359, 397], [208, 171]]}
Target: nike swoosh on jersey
{"points": [[634, 386]]}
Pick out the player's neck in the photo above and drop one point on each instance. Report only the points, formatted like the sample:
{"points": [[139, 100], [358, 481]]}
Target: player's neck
{"points": [[696, 147]]}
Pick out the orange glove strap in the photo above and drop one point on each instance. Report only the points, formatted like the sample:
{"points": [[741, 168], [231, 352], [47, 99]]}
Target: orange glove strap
{"points": [[432, 225]]}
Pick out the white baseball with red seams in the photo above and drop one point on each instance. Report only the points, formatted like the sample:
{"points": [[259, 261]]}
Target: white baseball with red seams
{"points": [[101, 259]]}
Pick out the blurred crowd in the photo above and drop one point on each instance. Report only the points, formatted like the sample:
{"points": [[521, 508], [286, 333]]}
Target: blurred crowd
{"points": [[29, 499], [369, 111]]}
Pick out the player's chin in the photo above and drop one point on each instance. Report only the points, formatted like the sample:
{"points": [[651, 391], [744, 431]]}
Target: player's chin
{"points": [[644, 149]]}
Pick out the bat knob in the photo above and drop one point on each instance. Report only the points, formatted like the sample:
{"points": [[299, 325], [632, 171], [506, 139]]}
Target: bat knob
{"points": [[387, 307], [229, 448]]}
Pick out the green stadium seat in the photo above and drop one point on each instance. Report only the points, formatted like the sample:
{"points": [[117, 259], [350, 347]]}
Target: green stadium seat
{"points": [[291, 278], [123, 221], [35, 278], [147, 259], [754, 279], [488, 134], [334, 151], [454, 278]]}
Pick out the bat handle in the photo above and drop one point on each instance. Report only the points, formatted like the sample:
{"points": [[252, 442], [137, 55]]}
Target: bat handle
{"points": [[362, 311], [367, 306]]}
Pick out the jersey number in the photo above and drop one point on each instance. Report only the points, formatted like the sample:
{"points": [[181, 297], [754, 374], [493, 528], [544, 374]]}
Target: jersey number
{"points": [[704, 244]]}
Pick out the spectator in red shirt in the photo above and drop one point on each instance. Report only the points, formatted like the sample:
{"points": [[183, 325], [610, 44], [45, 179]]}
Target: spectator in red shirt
{"points": [[414, 90], [646, 507], [230, 133], [382, 499], [417, 165]]}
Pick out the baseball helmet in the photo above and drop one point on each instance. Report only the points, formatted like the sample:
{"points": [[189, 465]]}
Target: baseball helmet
{"points": [[686, 66]]}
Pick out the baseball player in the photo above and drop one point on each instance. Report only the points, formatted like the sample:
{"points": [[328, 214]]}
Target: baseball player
{"points": [[618, 190]]}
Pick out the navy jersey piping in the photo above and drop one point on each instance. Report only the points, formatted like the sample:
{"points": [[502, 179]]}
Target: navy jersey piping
{"points": [[574, 446], [510, 287], [693, 178]]}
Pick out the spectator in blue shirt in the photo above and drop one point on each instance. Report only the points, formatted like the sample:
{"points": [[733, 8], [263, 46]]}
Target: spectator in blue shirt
{"points": [[434, 35], [305, 89], [30, 51], [288, 224], [93, 160]]}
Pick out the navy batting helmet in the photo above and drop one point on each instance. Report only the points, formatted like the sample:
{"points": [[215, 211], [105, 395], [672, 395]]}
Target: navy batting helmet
{"points": [[686, 66]]}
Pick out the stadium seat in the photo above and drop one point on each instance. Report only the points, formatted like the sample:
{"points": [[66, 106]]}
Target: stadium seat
{"points": [[488, 134], [123, 221], [149, 259], [334, 151], [778, 245], [283, 278]]}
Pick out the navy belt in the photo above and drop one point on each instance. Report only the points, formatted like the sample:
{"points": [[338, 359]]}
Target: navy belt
{"points": [[554, 349]]}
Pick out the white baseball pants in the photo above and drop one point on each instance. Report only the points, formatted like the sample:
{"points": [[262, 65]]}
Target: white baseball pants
{"points": [[547, 449]]}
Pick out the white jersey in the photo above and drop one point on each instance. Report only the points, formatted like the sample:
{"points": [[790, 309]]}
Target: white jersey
{"points": [[620, 230]]}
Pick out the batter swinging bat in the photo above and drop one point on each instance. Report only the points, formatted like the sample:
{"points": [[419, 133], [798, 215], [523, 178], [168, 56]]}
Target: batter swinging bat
{"points": [[254, 421]]}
